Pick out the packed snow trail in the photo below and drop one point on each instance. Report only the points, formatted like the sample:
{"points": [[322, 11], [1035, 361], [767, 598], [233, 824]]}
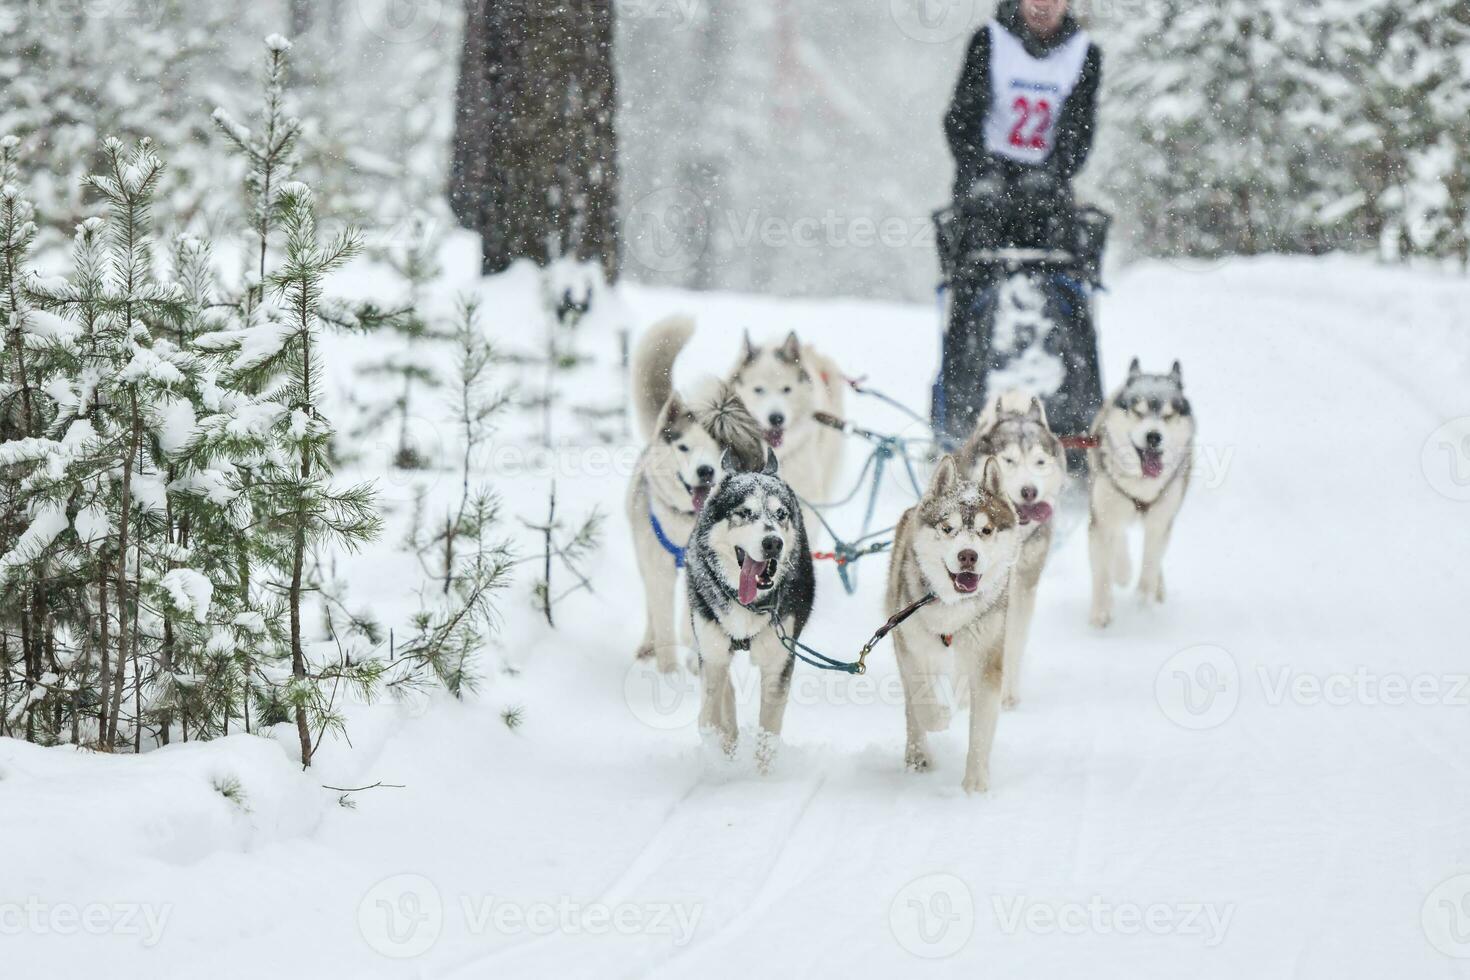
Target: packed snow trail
{"points": [[1220, 787]]}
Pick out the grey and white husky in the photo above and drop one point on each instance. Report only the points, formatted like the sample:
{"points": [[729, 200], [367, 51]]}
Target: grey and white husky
{"points": [[1033, 467], [1140, 470], [675, 474], [749, 568], [959, 543], [784, 386]]}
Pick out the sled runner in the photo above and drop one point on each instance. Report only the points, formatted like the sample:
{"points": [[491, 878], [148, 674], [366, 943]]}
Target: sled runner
{"points": [[1019, 317]]}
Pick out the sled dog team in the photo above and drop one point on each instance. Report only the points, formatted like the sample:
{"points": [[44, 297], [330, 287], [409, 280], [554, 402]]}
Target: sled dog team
{"points": [[719, 492]]}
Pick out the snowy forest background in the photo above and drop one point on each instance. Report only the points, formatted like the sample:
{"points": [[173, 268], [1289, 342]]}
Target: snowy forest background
{"points": [[178, 190], [794, 147]]}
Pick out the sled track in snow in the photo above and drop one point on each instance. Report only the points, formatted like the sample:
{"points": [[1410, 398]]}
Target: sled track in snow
{"points": [[673, 867]]}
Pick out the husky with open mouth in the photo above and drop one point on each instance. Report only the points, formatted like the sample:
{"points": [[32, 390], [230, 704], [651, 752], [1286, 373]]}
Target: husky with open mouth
{"points": [[959, 544], [1033, 467], [1140, 471], [675, 474], [749, 569], [784, 386]]}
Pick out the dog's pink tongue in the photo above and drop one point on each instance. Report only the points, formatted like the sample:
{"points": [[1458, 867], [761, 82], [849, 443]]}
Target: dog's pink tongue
{"points": [[1035, 513], [774, 437], [1153, 464], [698, 497], [750, 570]]}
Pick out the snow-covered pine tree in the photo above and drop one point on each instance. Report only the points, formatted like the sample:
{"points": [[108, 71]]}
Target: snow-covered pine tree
{"points": [[1210, 154], [407, 366], [296, 489], [465, 566], [1448, 32], [1366, 79]]}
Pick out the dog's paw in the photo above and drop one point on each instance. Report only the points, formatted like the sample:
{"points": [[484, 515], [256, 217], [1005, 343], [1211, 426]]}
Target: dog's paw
{"points": [[645, 652], [767, 744], [1009, 700], [976, 782], [1100, 617], [916, 759], [667, 663], [1150, 591]]}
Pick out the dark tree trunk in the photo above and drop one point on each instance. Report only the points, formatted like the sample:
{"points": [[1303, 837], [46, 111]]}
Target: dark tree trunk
{"points": [[534, 169]]}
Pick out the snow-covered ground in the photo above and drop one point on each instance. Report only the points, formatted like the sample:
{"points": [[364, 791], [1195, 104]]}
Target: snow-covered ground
{"points": [[1267, 776]]}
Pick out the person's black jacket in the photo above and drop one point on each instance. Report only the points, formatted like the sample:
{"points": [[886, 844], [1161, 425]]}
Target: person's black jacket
{"points": [[964, 124]]}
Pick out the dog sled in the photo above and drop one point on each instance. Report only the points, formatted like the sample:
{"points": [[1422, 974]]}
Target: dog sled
{"points": [[1019, 318]]}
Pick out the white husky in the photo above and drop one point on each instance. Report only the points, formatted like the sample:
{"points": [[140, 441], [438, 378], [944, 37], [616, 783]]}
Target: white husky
{"points": [[783, 386], [1140, 470]]}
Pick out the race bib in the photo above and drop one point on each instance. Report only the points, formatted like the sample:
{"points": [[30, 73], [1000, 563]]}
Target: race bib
{"points": [[1027, 94]]}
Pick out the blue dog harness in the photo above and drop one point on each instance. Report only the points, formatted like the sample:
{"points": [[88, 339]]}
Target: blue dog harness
{"points": [[663, 539]]}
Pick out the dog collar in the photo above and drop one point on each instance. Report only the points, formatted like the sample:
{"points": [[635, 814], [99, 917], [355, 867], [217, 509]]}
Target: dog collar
{"points": [[663, 539]]}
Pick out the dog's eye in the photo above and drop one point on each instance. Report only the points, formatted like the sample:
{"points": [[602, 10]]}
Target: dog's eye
{"points": [[683, 448], [987, 530], [780, 516], [759, 390], [1010, 460], [1041, 462], [786, 390], [946, 529]]}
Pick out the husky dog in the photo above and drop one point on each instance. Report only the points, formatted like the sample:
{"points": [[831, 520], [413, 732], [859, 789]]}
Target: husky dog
{"points": [[675, 474], [959, 544], [1140, 469], [784, 386], [1033, 466], [749, 568]]}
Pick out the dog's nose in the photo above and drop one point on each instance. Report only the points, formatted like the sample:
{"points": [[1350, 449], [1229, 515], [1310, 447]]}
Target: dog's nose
{"points": [[1028, 493], [777, 420], [1153, 439], [706, 473], [771, 546], [967, 559]]}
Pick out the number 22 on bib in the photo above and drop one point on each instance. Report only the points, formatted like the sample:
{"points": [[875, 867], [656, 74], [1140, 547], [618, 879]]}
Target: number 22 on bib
{"points": [[1027, 94]]}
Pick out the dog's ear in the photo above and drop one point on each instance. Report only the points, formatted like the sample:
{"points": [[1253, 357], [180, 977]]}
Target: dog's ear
{"points": [[1177, 374], [992, 414], [1134, 371], [990, 477], [946, 475], [791, 349], [751, 350], [1036, 411], [728, 462], [672, 414], [771, 465]]}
